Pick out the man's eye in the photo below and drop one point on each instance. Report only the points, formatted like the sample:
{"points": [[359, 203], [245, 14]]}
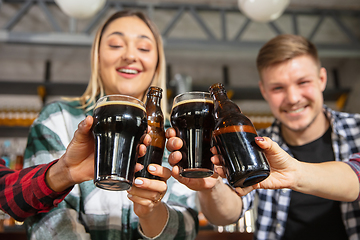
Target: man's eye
{"points": [[277, 88], [303, 82]]}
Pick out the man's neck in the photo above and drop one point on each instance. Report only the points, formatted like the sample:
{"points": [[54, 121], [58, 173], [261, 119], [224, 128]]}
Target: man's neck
{"points": [[314, 131]]}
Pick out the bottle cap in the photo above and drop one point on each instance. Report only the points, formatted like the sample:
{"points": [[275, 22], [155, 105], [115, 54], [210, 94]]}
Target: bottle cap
{"points": [[217, 87]]}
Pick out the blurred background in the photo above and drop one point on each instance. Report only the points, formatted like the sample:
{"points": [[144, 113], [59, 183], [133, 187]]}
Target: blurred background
{"points": [[45, 52]]}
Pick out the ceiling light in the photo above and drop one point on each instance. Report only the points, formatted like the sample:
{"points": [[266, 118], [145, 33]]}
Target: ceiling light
{"points": [[80, 9], [263, 10]]}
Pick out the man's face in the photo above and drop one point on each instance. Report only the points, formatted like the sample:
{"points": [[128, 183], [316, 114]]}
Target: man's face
{"points": [[294, 90]]}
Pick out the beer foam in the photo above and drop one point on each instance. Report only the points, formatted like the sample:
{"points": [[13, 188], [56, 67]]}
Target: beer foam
{"points": [[199, 100], [102, 104]]}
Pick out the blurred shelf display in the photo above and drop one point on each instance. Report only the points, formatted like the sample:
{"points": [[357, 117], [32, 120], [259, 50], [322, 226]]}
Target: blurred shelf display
{"points": [[41, 88], [77, 89], [12, 152], [10, 117], [261, 121], [253, 93]]}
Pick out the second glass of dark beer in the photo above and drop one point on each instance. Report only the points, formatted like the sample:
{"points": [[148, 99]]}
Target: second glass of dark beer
{"points": [[192, 118], [119, 123]]}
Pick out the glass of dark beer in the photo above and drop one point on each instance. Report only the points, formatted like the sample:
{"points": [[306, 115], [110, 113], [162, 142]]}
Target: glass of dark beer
{"points": [[192, 118], [119, 123]]}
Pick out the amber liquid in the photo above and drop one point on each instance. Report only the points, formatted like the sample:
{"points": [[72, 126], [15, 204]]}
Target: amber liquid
{"points": [[153, 155], [244, 161]]}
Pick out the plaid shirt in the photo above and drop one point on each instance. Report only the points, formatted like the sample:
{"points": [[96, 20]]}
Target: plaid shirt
{"points": [[354, 163], [24, 193], [89, 212], [273, 205]]}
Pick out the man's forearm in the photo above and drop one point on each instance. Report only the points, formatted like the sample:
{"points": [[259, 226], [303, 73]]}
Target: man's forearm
{"points": [[331, 180], [220, 205]]}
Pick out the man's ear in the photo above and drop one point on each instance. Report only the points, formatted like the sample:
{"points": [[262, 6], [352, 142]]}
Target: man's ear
{"points": [[262, 90], [323, 79]]}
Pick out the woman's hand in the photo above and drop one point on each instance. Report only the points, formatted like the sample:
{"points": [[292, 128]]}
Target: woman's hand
{"points": [[147, 195]]}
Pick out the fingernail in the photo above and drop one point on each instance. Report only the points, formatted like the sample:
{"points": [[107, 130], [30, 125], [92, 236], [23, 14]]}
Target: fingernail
{"points": [[138, 182], [152, 168], [129, 195], [260, 139]]}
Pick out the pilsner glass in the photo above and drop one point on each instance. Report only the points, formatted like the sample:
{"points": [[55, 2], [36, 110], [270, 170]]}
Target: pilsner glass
{"points": [[192, 118], [119, 123]]}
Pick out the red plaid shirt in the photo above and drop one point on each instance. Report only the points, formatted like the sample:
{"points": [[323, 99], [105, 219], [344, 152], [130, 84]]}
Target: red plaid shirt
{"points": [[24, 193]]}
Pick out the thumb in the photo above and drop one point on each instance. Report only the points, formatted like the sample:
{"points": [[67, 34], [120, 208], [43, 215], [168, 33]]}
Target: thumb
{"points": [[82, 133], [268, 146]]}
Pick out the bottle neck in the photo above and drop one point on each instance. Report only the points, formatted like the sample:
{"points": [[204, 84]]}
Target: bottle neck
{"points": [[223, 106], [220, 95], [155, 100]]}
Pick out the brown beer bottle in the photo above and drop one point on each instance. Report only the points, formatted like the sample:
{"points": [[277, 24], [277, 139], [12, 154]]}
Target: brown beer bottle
{"points": [[155, 118], [234, 136]]}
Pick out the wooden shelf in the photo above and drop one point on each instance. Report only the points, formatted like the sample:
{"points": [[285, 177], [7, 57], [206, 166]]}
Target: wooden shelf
{"points": [[212, 235], [15, 131], [77, 89], [52, 89]]}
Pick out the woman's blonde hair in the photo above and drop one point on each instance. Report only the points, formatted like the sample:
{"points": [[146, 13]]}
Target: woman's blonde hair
{"points": [[95, 86], [283, 48]]}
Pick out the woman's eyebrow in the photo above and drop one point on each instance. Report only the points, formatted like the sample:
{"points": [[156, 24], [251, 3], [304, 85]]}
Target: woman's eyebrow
{"points": [[122, 34], [144, 36], [116, 33]]}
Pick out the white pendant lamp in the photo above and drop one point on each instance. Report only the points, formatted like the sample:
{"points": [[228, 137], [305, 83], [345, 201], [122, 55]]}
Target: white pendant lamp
{"points": [[263, 10], [80, 9]]}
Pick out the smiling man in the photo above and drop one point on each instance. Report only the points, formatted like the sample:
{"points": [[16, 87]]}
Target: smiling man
{"points": [[292, 81], [318, 197]]}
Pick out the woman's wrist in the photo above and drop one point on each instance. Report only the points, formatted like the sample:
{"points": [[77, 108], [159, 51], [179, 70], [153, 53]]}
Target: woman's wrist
{"points": [[154, 224]]}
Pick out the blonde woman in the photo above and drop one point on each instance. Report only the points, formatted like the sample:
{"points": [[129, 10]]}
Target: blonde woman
{"points": [[127, 57]]}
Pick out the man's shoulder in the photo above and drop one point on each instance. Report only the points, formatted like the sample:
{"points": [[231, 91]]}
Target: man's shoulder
{"points": [[344, 119]]}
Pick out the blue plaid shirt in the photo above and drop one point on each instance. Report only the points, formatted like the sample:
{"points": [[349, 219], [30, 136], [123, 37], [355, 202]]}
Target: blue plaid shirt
{"points": [[273, 205]]}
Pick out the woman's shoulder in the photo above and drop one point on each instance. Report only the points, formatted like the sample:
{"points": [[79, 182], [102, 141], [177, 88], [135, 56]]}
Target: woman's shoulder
{"points": [[60, 107]]}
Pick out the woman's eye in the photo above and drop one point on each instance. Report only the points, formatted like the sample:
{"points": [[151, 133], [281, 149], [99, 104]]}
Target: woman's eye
{"points": [[144, 49], [115, 46]]}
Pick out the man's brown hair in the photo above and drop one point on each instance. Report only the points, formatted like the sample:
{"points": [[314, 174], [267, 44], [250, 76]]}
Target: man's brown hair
{"points": [[283, 48]]}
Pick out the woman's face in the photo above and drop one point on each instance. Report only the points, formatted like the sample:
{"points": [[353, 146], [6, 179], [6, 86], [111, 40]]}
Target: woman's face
{"points": [[127, 57]]}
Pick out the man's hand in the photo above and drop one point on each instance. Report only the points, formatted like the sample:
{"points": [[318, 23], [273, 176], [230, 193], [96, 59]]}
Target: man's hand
{"points": [[77, 164], [173, 145]]}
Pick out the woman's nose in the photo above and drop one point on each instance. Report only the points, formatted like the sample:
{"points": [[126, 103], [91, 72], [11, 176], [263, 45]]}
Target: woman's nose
{"points": [[129, 55]]}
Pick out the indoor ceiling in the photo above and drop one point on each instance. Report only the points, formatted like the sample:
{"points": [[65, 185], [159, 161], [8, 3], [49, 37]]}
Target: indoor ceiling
{"points": [[325, 4], [209, 26]]}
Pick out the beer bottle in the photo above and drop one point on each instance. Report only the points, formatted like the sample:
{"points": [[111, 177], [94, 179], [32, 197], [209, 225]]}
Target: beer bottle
{"points": [[234, 135], [155, 118]]}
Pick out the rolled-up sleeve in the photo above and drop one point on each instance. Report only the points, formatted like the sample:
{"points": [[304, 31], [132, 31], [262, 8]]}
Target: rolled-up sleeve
{"points": [[354, 163], [24, 193]]}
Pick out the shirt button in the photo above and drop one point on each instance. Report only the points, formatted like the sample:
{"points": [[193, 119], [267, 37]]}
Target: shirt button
{"points": [[278, 227], [284, 190]]}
